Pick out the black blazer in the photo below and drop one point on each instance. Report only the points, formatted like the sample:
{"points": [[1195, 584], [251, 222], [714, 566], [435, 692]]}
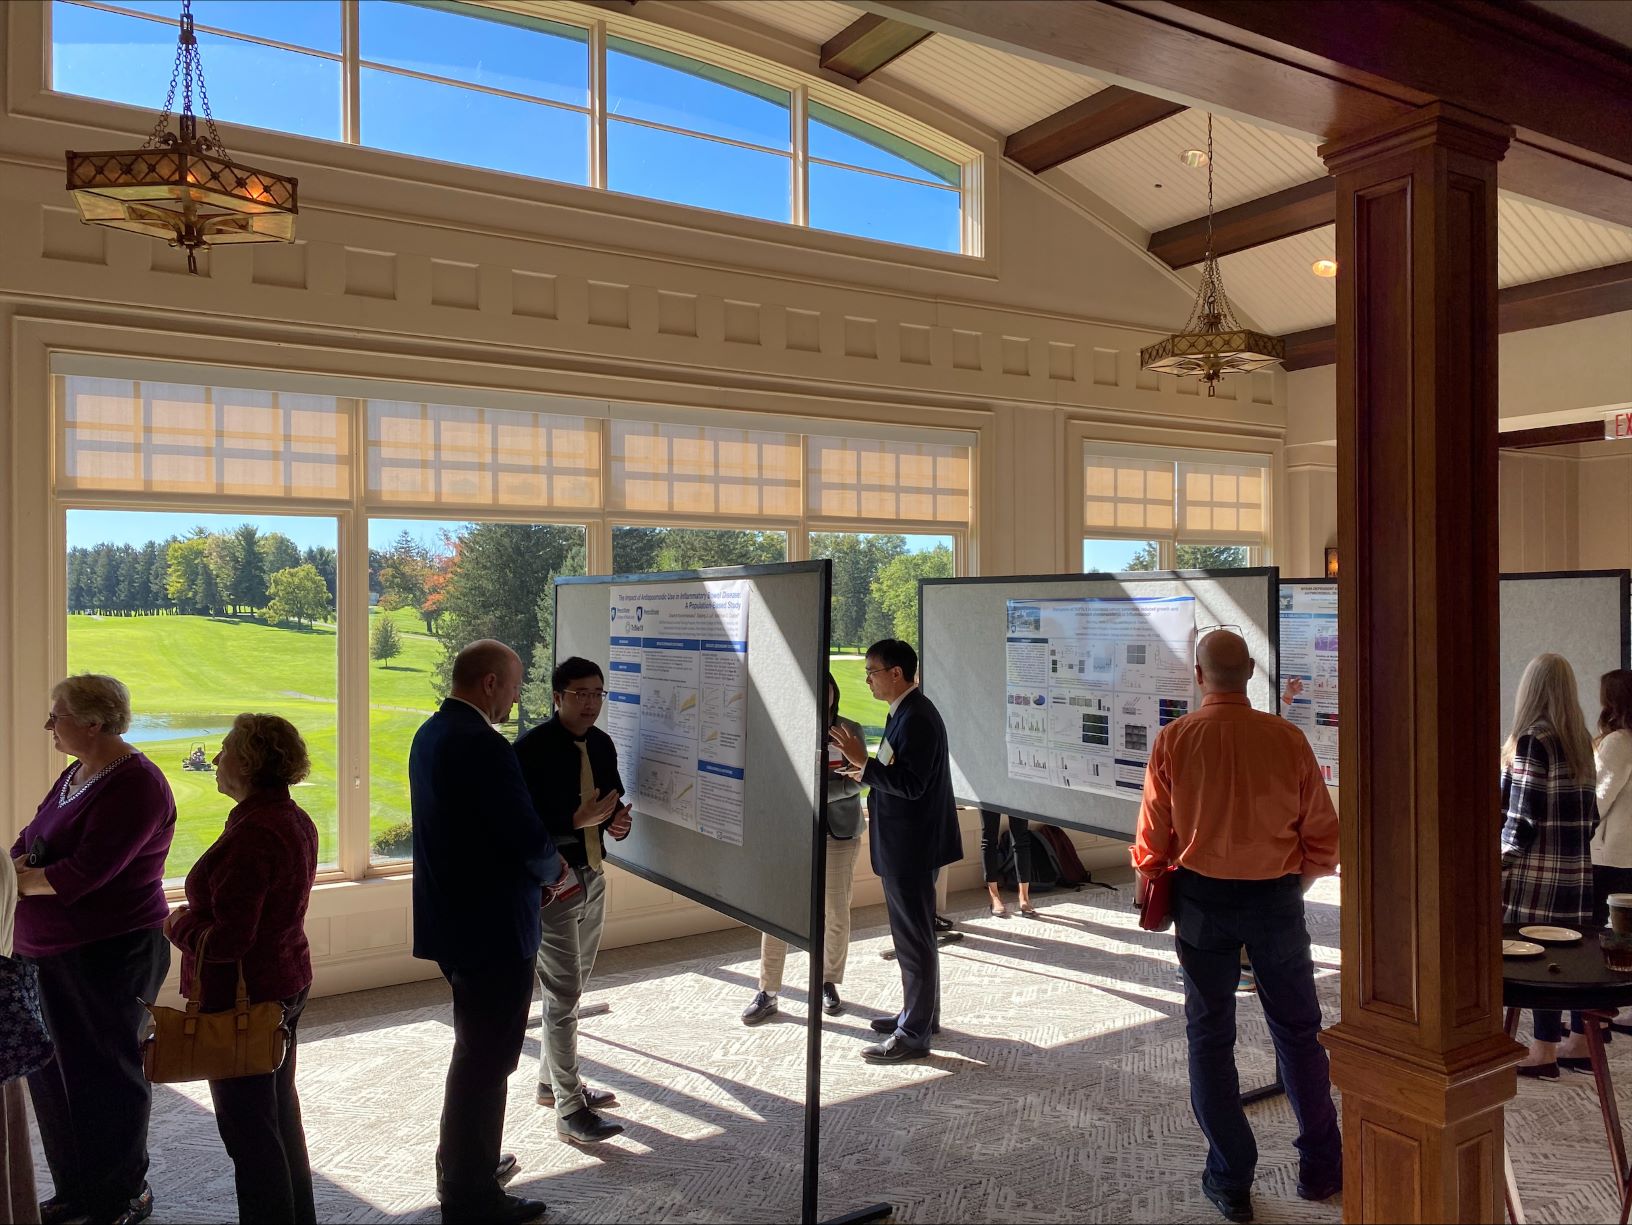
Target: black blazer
{"points": [[914, 817], [550, 763], [481, 853]]}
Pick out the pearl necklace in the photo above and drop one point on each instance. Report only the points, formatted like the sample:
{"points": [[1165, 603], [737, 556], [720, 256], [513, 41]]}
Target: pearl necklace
{"points": [[68, 779]]}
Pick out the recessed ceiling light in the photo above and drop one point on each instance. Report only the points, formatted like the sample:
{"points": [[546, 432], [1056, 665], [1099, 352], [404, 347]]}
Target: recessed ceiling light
{"points": [[1324, 267], [1194, 157]]}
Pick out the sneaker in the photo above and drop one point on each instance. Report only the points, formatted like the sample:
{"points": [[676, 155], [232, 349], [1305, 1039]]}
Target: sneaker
{"points": [[831, 1003], [762, 1009], [1248, 982]]}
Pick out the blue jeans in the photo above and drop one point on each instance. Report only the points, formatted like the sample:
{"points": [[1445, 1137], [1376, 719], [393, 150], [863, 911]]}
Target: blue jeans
{"points": [[1215, 920]]}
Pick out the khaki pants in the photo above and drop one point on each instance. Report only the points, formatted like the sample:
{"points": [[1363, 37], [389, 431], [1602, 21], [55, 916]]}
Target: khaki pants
{"points": [[569, 940], [841, 877]]}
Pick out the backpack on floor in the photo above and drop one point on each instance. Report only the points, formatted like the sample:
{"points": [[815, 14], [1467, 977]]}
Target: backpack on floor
{"points": [[1063, 853]]}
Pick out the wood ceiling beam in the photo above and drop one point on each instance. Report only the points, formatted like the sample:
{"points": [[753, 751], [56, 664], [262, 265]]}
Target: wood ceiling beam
{"points": [[1551, 436], [867, 44], [1519, 308], [1084, 126], [1323, 69], [1308, 206]]}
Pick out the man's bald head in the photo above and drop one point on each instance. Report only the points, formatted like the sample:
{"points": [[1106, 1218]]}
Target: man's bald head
{"points": [[487, 674], [1223, 663]]}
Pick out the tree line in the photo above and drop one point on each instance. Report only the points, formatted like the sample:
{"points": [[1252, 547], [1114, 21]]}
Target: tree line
{"points": [[241, 572]]}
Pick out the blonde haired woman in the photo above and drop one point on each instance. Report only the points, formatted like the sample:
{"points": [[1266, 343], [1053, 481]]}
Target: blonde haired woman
{"points": [[1549, 814]]}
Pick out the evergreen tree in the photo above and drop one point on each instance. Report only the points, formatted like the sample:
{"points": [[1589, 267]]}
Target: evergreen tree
{"points": [[159, 575], [501, 585], [384, 644], [327, 564], [277, 552], [78, 563], [247, 590]]}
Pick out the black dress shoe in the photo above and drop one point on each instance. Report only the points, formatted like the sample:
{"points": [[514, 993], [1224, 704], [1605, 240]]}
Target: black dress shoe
{"points": [[942, 923], [510, 1210], [1317, 1187], [59, 1209], [893, 1050], [595, 1099], [507, 1168], [888, 1025], [1232, 1205], [831, 1003], [887, 954], [132, 1212], [1575, 1063], [762, 1009], [1539, 1071], [586, 1127]]}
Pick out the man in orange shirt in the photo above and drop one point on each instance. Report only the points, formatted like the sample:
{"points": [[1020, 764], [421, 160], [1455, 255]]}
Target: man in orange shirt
{"points": [[1235, 802]]}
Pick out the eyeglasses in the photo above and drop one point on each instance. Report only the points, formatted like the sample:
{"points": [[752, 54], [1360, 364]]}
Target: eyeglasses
{"points": [[875, 671], [586, 695]]}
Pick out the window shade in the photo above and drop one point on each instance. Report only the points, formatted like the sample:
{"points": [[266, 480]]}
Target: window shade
{"points": [[179, 438], [859, 478], [703, 470], [452, 455], [1127, 494], [1221, 502]]}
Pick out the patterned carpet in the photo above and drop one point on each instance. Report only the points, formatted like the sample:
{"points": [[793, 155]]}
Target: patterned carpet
{"points": [[1057, 1092]]}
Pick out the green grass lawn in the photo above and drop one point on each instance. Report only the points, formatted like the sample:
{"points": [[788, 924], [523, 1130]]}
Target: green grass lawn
{"points": [[196, 673]]}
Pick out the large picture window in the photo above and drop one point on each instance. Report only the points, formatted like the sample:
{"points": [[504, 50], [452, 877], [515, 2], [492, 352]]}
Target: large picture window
{"points": [[217, 523], [598, 104], [1145, 508], [205, 617]]}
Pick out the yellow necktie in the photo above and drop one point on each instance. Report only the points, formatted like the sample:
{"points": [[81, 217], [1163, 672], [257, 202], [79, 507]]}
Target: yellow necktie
{"points": [[586, 792]]}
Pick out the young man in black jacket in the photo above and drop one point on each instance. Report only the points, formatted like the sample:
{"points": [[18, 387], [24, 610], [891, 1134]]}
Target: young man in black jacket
{"points": [[571, 768]]}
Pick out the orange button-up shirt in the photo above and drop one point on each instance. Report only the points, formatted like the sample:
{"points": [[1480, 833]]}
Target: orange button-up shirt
{"points": [[1234, 793]]}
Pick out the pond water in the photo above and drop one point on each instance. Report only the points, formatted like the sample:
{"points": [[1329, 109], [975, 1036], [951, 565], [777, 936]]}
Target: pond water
{"points": [[196, 729]]}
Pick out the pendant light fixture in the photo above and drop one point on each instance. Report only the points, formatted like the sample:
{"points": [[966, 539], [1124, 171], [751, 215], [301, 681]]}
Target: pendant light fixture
{"points": [[182, 187], [1213, 343]]}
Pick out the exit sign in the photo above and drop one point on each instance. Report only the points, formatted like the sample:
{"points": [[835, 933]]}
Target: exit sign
{"points": [[1618, 426]]}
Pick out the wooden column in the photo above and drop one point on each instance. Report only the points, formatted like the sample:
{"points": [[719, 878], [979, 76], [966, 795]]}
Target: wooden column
{"points": [[1419, 1054]]}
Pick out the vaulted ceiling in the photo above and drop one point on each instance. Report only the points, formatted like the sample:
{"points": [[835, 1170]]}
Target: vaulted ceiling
{"points": [[1122, 149]]}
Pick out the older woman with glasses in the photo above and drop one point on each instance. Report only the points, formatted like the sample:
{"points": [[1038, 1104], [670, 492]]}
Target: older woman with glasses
{"points": [[91, 911], [246, 906]]}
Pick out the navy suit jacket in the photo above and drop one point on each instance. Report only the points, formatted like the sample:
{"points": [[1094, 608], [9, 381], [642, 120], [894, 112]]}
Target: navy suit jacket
{"points": [[914, 817], [481, 853]]}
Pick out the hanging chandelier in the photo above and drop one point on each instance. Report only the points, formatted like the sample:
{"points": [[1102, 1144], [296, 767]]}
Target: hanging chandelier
{"points": [[1213, 343], [182, 187]]}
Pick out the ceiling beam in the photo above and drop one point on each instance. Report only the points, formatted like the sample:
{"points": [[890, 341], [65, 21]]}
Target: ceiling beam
{"points": [[867, 44], [1084, 126], [1322, 69], [1519, 308], [1551, 436], [1308, 206]]}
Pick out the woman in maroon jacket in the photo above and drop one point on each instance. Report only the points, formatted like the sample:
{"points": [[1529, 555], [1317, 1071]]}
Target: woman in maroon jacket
{"points": [[247, 894]]}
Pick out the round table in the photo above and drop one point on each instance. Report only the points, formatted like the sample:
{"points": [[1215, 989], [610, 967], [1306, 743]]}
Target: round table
{"points": [[1573, 978]]}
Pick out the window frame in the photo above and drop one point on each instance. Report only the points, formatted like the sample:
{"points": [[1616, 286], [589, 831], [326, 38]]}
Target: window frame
{"points": [[976, 211], [1259, 552], [353, 516]]}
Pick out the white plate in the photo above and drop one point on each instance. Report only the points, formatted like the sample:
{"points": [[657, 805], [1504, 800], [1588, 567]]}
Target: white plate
{"points": [[1551, 935], [1521, 948]]}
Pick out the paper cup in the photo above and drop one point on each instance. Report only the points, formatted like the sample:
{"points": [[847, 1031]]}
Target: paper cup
{"points": [[1620, 913]]}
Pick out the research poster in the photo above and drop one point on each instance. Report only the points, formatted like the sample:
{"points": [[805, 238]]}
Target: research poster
{"points": [[677, 701], [1309, 653], [1090, 681]]}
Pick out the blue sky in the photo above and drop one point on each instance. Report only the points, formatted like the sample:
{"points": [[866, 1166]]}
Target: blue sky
{"points": [[90, 527], [128, 59]]}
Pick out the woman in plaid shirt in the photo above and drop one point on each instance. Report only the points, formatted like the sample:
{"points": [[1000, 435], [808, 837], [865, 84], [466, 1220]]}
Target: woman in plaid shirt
{"points": [[1549, 813]]}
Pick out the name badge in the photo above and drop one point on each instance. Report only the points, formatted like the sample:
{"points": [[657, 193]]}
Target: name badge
{"points": [[886, 753]]}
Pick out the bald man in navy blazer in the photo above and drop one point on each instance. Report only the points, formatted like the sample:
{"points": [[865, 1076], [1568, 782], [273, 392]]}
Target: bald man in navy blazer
{"points": [[913, 832]]}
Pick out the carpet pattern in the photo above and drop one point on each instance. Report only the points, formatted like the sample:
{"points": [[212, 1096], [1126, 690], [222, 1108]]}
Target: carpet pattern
{"points": [[1056, 1092]]}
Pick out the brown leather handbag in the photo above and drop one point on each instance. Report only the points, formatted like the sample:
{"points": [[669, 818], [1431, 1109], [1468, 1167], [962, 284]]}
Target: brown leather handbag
{"points": [[186, 1044]]}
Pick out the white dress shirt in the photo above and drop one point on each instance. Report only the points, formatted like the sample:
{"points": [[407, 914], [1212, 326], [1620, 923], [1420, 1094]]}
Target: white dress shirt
{"points": [[1612, 844]]}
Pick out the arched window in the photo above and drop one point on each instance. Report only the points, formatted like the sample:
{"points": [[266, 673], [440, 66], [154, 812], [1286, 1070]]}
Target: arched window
{"points": [[533, 96]]}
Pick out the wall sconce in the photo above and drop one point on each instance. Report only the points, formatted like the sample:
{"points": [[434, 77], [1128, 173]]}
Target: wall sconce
{"points": [[1331, 563]]}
